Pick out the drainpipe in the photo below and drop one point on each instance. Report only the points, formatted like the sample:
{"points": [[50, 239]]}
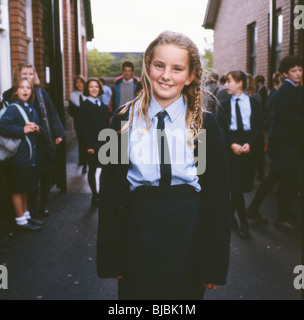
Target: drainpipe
{"points": [[272, 40]]}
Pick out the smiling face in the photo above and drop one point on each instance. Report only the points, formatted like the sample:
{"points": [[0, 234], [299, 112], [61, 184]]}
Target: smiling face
{"points": [[169, 73], [93, 89], [295, 74], [24, 91]]}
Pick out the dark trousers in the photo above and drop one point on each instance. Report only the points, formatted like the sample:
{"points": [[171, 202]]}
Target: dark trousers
{"points": [[45, 184], [287, 185], [82, 152], [237, 204], [160, 245], [92, 177], [260, 156]]}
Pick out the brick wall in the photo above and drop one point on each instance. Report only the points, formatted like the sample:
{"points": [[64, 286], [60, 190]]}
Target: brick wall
{"points": [[17, 13], [39, 25], [231, 44], [68, 52]]}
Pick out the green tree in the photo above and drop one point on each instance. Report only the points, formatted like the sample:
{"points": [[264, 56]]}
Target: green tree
{"points": [[207, 59], [99, 64]]}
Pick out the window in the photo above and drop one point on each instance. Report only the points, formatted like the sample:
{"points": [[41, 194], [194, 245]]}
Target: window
{"points": [[252, 35], [279, 38]]}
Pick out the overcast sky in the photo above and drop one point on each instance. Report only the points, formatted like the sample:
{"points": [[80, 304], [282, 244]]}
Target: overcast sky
{"points": [[130, 25]]}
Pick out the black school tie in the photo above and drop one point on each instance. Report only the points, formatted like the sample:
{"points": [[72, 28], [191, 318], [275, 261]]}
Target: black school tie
{"points": [[238, 116], [163, 151], [80, 100]]}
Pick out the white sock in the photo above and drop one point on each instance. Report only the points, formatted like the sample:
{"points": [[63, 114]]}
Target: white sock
{"points": [[27, 215], [21, 221]]}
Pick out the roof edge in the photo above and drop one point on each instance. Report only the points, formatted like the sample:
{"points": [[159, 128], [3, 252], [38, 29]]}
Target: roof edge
{"points": [[211, 14]]}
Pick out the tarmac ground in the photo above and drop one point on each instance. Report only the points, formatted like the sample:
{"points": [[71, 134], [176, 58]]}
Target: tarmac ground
{"points": [[58, 263]]}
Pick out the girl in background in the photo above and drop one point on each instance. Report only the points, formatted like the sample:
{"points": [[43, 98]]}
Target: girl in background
{"points": [[76, 99], [23, 173], [93, 116], [164, 228], [242, 123], [52, 136]]}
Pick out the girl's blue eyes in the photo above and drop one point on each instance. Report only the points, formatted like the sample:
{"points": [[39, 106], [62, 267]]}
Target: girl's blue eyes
{"points": [[160, 66]]}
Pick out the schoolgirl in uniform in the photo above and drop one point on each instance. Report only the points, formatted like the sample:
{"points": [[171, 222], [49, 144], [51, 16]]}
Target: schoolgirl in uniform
{"points": [[76, 99], [53, 134], [93, 117], [242, 124], [23, 175], [164, 226]]}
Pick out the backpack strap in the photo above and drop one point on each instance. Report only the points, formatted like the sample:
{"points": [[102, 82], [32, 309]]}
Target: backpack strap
{"points": [[26, 119]]}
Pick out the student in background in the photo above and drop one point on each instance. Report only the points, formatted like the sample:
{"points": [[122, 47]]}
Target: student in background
{"points": [[93, 117], [23, 175], [107, 93], [76, 99], [242, 123]]}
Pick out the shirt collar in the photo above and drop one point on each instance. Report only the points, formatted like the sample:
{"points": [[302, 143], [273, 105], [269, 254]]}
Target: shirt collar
{"points": [[173, 110], [288, 80], [93, 100], [241, 97], [128, 81]]}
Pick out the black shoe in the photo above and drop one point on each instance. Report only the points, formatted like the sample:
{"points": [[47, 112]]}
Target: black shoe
{"points": [[28, 227], [244, 230], [44, 212], [36, 222]]}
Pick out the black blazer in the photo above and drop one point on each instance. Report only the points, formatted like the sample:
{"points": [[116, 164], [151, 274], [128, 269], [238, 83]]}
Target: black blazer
{"points": [[214, 243], [92, 120], [256, 122], [286, 134]]}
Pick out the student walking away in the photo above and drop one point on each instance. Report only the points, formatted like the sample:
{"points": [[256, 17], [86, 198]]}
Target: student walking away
{"points": [[242, 123], [124, 86], [94, 117], [21, 120], [107, 93], [271, 180], [285, 137], [164, 225], [76, 99], [53, 134], [211, 88]]}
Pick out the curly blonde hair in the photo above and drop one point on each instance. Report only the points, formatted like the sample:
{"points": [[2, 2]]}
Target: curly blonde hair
{"points": [[192, 92]]}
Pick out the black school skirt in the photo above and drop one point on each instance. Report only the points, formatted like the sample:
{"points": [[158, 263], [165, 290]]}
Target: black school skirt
{"points": [[161, 245]]}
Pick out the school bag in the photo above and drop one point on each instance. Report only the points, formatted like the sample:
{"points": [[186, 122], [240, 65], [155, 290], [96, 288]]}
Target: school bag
{"points": [[9, 146]]}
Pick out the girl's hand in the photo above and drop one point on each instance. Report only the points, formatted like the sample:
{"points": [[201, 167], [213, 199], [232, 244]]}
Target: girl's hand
{"points": [[246, 148], [91, 151], [58, 140], [237, 149], [30, 127], [118, 278], [210, 285]]}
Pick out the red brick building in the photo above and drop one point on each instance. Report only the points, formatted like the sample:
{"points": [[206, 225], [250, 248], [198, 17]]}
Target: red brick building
{"points": [[51, 34], [253, 36]]}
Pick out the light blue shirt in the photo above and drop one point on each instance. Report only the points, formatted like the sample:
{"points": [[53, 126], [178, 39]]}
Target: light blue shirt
{"points": [[288, 80], [144, 166], [106, 96], [245, 110], [93, 100]]}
